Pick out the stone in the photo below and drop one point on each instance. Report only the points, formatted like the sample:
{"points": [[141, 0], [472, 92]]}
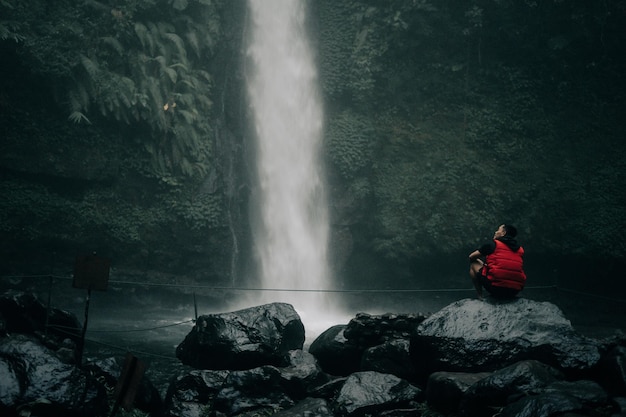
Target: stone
{"points": [[192, 393], [34, 377], [302, 374], [371, 392], [477, 336], [261, 390], [335, 354], [500, 387], [243, 339], [391, 357], [309, 407], [612, 371], [368, 330], [444, 390]]}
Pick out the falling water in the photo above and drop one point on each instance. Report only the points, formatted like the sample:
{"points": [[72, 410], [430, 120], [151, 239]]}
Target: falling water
{"points": [[292, 232]]}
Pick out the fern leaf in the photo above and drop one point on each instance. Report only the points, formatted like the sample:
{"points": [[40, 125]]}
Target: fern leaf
{"points": [[77, 117], [90, 66], [115, 44], [171, 73], [180, 45], [193, 41]]}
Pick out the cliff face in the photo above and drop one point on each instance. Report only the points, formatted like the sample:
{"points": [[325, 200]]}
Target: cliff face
{"points": [[125, 131]]}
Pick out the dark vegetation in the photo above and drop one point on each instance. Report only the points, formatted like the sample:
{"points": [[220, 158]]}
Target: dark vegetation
{"points": [[124, 130]]}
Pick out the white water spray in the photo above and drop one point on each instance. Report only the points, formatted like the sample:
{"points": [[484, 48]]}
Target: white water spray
{"points": [[291, 236]]}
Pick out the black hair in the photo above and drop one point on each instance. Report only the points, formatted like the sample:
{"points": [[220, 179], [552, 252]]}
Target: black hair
{"points": [[510, 230]]}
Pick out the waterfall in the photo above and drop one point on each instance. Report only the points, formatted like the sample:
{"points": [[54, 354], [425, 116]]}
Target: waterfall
{"points": [[291, 232]]}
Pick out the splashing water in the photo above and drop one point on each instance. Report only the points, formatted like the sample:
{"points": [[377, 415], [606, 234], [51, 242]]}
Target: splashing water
{"points": [[291, 236]]}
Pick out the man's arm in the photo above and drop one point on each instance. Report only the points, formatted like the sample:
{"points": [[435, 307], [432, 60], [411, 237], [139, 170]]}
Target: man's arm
{"points": [[474, 256]]}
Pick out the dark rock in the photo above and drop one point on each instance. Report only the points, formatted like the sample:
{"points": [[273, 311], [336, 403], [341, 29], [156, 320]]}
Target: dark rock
{"points": [[34, 377], [23, 313], [260, 389], [330, 389], [371, 330], [309, 407], [444, 390], [502, 386], [372, 392], [475, 336], [619, 404], [191, 394], [612, 371], [590, 393], [402, 412], [243, 339], [335, 354], [302, 374], [543, 405], [390, 357]]}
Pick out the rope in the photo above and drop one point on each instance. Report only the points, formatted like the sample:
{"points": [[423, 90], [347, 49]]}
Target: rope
{"points": [[115, 346], [55, 326], [311, 290], [224, 288]]}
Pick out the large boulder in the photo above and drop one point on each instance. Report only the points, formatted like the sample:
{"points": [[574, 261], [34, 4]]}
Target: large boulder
{"points": [[243, 339], [476, 336], [344, 349], [34, 377]]}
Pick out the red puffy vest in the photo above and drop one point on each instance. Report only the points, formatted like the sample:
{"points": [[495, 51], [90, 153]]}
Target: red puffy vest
{"points": [[505, 267]]}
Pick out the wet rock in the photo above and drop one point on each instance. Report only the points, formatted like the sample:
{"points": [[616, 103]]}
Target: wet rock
{"points": [[499, 388], [612, 371], [23, 313], [192, 394], [368, 330], [543, 405], [391, 357], [476, 336], [335, 354], [371, 392], [444, 390], [261, 390], [340, 349], [34, 377], [308, 407], [243, 339], [571, 397], [302, 374]]}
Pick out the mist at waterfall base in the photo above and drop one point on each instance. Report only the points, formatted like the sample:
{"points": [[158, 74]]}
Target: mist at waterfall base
{"points": [[290, 218]]}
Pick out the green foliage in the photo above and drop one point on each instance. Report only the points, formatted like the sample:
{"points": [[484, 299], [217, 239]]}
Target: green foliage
{"points": [[350, 143], [200, 213], [130, 66]]}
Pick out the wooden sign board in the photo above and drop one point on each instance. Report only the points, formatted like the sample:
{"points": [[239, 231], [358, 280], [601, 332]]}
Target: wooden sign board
{"points": [[91, 272]]}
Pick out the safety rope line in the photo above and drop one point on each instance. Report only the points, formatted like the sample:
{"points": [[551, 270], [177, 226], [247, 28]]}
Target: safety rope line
{"points": [[223, 288], [126, 349], [365, 290], [147, 329]]}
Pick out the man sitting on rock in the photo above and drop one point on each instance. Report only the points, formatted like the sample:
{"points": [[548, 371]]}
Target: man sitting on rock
{"points": [[498, 265]]}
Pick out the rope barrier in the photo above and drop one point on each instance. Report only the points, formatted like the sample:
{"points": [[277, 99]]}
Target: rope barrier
{"points": [[224, 288], [147, 329], [126, 349], [296, 290]]}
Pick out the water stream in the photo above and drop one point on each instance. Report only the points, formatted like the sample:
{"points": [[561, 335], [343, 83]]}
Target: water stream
{"points": [[291, 233]]}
